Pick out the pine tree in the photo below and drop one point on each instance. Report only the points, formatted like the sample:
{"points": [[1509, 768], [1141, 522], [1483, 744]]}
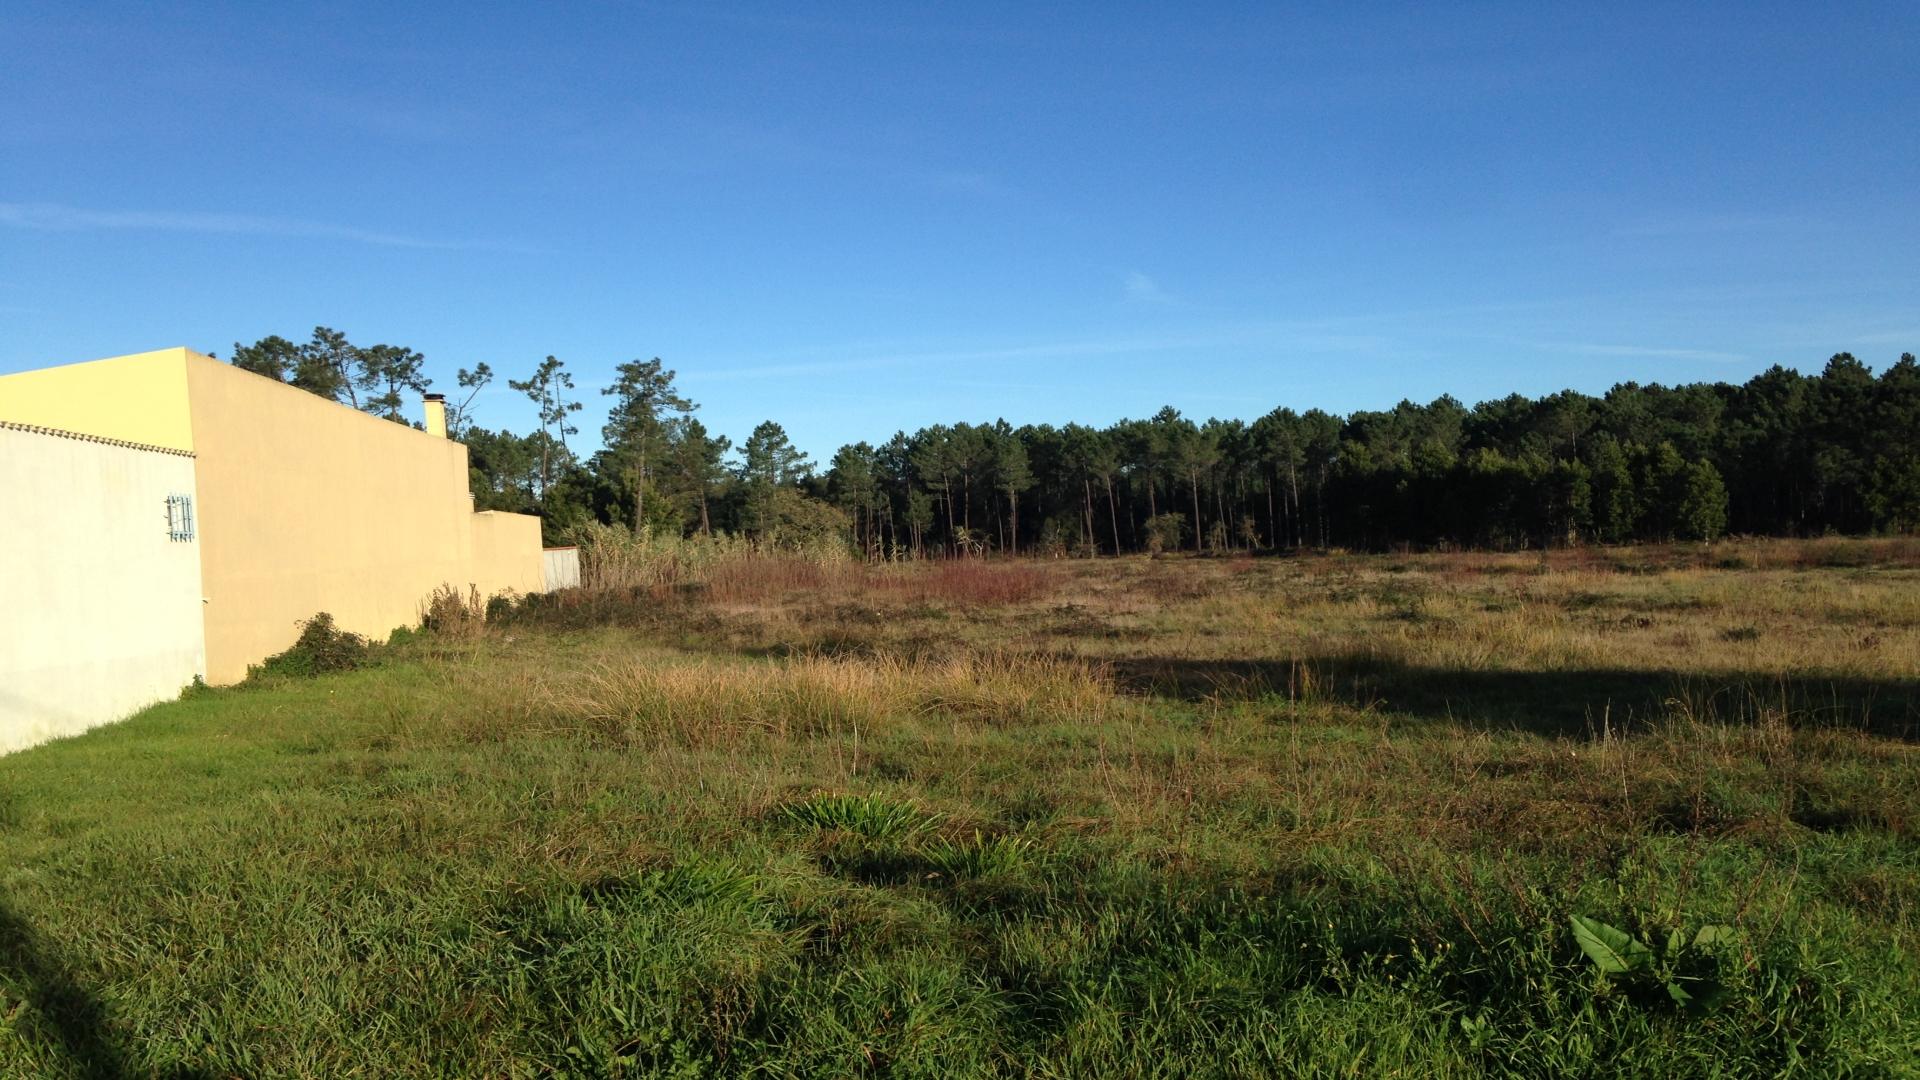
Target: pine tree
{"points": [[1700, 512], [548, 388], [1893, 481], [636, 428], [1007, 461], [770, 463]]}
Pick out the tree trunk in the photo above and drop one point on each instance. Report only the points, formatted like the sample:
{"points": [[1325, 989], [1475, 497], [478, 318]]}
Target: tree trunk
{"points": [[1293, 481], [546, 476], [946, 496], [1320, 507], [1220, 509], [1193, 479], [966, 502], [953, 520], [1273, 521], [1086, 516], [640, 491], [1113, 515]]}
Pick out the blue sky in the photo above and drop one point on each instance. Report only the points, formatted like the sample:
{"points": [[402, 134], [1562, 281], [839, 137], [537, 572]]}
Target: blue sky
{"points": [[856, 219]]}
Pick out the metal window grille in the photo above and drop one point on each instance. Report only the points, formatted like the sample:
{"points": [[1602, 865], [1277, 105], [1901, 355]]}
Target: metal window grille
{"points": [[179, 517]]}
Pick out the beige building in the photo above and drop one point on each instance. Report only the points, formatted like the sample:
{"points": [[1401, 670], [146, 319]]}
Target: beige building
{"points": [[300, 505], [100, 610]]}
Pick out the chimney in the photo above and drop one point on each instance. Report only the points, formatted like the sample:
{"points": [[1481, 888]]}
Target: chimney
{"points": [[437, 415]]}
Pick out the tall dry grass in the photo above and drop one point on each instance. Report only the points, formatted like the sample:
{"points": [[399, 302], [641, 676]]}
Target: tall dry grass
{"points": [[734, 570], [614, 557], [449, 612], [655, 700], [963, 582]]}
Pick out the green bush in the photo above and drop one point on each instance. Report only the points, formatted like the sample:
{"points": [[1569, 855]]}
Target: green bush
{"points": [[321, 648], [1166, 532]]}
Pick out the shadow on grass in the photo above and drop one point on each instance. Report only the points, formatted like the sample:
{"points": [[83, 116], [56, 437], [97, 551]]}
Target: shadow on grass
{"points": [[1569, 703], [74, 1017]]}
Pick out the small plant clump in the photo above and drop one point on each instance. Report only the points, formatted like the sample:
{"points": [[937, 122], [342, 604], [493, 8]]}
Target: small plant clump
{"points": [[1686, 969], [321, 648], [872, 816], [452, 613]]}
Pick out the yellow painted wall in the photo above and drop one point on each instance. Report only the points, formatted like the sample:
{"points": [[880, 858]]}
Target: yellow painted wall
{"points": [[502, 544], [140, 398], [309, 506], [303, 505]]}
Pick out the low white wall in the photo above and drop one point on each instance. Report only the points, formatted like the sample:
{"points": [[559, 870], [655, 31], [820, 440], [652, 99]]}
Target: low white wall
{"points": [[562, 567], [100, 609]]}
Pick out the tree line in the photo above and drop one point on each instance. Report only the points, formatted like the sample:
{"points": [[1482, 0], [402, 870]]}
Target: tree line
{"points": [[1781, 454]]}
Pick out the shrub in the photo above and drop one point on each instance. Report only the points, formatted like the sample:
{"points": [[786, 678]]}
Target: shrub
{"points": [[1165, 532], [450, 612], [1059, 535], [321, 648]]}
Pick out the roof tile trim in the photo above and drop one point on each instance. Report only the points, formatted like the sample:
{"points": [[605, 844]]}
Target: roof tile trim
{"points": [[62, 434]]}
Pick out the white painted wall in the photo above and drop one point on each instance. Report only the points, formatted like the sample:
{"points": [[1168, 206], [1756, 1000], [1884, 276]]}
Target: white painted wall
{"points": [[562, 566], [100, 612]]}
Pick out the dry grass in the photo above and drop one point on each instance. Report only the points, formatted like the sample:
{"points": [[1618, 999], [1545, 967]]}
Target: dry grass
{"points": [[1325, 815], [731, 570], [1588, 638], [962, 584], [451, 613], [614, 557], [654, 700]]}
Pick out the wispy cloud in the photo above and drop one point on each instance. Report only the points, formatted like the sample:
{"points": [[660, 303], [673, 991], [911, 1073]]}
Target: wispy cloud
{"points": [[1141, 289], [1909, 337], [53, 217], [1316, 336], [1659, 352], [1403, 336], [937, 360]]}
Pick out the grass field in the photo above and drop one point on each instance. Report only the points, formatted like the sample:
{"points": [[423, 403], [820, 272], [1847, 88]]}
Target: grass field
{"points": [[1327, 815]]}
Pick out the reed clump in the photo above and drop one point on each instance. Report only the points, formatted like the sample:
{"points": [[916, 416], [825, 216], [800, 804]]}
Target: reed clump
{"points": [[615, 557]]}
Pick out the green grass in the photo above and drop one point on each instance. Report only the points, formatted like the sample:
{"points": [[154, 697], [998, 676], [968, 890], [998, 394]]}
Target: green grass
{"points": [[836, 833]]}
